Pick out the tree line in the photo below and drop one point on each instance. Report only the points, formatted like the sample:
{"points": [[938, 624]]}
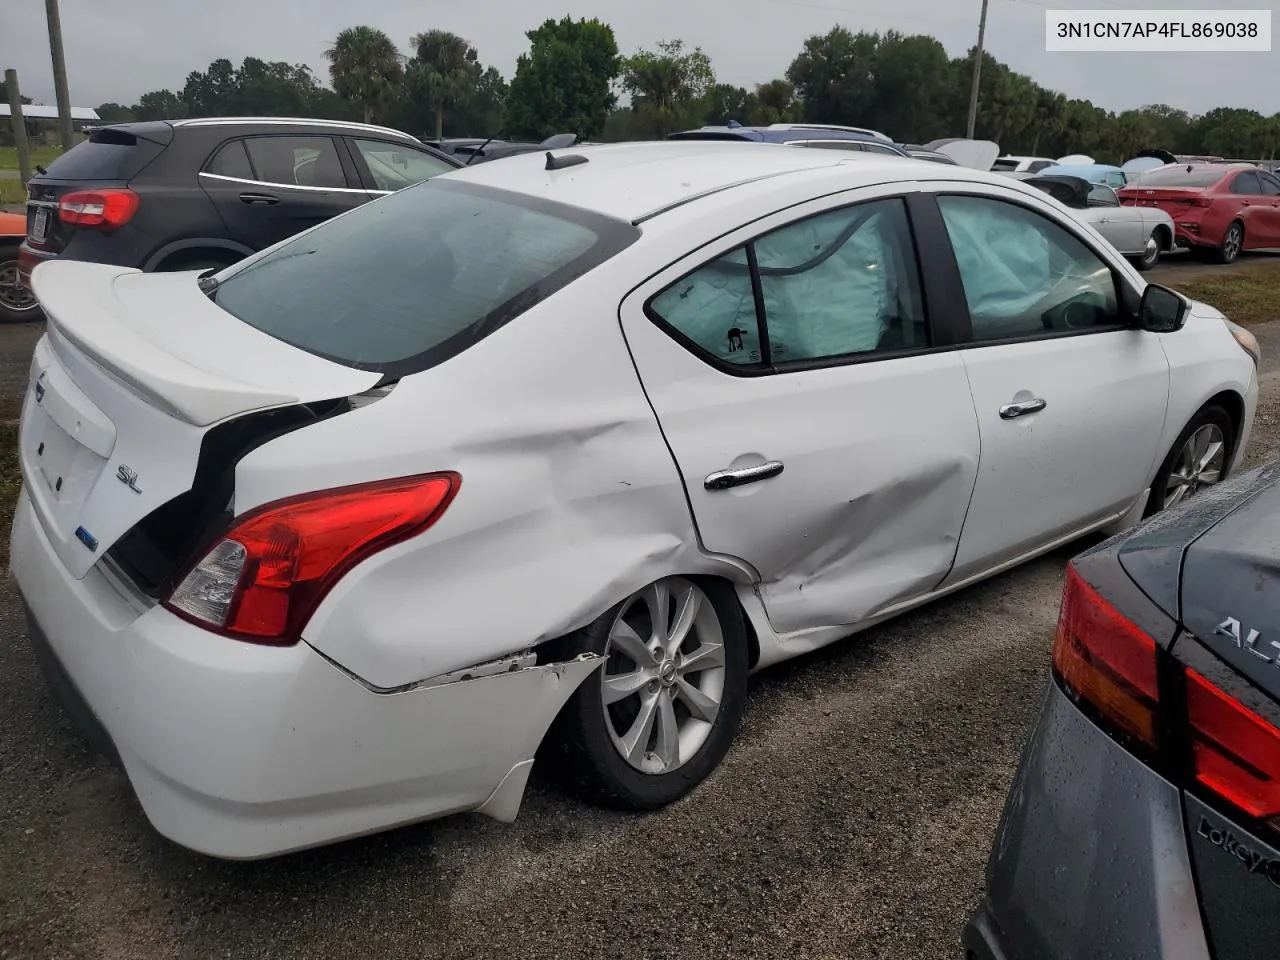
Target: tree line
{"points": [[570, 80]]}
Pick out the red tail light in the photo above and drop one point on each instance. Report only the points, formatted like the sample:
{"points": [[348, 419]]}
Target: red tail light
{"points": [[106, 209], [1235, 752], [1200, 201], [270, 572], [1106, 661]]}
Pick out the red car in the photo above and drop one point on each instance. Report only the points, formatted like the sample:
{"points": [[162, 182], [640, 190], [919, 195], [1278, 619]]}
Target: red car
{"points": [[16, 301], [1221, 209]]}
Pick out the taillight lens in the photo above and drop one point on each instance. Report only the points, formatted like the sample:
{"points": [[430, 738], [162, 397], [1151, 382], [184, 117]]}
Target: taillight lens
{"points": [[1106, 661], [1235, 753], [264, 579], [106, 209]]}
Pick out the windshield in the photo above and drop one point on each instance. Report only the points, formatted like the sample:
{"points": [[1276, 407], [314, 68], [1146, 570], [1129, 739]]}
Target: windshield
{"points": [[406, 282], [1182, 176]]}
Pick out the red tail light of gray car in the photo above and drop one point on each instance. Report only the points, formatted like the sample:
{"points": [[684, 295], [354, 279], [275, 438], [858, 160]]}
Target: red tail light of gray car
{"points": [[1163, 711]]}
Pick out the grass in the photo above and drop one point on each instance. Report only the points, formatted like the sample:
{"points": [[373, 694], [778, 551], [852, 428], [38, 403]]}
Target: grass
{"points": [[1248, 294], [11, 189], [42, 154]]}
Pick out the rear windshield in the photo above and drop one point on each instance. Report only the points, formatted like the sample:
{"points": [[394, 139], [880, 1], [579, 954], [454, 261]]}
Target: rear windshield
{"points": [[1182, 176], [106, 155], [408, 281]]}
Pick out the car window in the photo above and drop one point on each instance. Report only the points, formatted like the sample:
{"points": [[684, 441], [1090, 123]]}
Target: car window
{"points": [[296, 161], [1246, 184], [1038, 165], [395, 166], [440, 267], [878, 148], [1188, 175], [841, 283], [1101, 195], [715, 308], [1113, 178], [231, 161], [1025, 275], [1270, 185]]}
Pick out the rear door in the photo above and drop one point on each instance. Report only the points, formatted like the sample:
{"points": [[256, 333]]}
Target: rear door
{"points": [[1269, 212], [268, 188], [1070, 399], [1255, 210], [825, 434]]}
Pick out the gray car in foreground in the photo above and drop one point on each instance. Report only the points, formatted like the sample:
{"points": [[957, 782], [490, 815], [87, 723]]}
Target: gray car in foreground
{"points": [[1144, 821]]}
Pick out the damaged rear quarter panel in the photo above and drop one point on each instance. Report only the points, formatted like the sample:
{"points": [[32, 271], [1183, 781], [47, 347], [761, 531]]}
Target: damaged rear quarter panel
{"points": [[569, 500]]}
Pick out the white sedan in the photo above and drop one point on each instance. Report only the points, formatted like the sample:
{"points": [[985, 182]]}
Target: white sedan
{"points": [[543, 457]]}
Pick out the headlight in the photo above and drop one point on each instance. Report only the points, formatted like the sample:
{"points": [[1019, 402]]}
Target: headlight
{"points": [[1248, 342]]}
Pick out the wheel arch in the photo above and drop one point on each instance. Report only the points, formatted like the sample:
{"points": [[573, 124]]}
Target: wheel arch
{"points": [[194, 247], [1164, 234]]}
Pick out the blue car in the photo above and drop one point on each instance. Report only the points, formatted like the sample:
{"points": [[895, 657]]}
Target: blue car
{"points": [[798, 134], [1113, 177]]}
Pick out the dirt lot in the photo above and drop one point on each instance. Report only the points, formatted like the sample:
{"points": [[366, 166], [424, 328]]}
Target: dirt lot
{"points": [[852, 818]]}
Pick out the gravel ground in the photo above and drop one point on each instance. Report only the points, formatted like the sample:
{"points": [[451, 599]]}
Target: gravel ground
{"points": [[852, 818]]}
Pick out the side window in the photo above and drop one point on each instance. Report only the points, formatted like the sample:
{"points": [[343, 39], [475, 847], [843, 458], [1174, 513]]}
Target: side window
{"points": [[1025, 275], [835, 285], [297, 161], [715, 309], [231, 161], [1270, 185], [841, 283], [1246, 184], [1100, 195], [395, 166], [1114, 179]]}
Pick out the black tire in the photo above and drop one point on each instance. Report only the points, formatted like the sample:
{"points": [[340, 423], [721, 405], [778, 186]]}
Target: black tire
{"points": [[1232, 244], [579, 747], [1212, 414], [14, 308]]}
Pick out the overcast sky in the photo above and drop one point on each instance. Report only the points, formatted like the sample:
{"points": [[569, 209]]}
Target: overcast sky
{"points": [[118, 49]]}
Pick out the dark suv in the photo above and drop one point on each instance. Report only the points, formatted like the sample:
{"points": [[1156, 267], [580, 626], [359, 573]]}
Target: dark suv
{"points": [[196, 194]]}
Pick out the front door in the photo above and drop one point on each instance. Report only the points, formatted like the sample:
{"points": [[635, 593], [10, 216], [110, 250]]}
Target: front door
{"points": [[820, 437], [1070, 398], [269, 188]]}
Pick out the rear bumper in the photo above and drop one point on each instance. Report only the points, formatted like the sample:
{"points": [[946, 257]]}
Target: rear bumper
{"points": [[244, 751], [1091, 857]]}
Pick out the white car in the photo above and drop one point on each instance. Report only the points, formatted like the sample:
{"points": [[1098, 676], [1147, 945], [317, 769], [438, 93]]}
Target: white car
{"points": [[1143, 234], [329, 541]]}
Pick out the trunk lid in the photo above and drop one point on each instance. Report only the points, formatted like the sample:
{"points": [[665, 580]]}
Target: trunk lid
{"points": [[1172, 200], [1231, 590], [132, 375]]}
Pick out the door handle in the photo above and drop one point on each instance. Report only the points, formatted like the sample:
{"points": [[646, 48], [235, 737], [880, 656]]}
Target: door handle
{"points": [[258, 199], [1011, 411], [724, 479]]}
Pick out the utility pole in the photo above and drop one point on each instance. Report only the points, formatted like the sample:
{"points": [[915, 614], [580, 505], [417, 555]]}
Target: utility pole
{"points": [[59, 73], [977, 69], [19, 125]]}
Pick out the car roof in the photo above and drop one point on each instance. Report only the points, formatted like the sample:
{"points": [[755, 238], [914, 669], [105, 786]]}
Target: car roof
{"points": [[637, 181], [1079, 170]]}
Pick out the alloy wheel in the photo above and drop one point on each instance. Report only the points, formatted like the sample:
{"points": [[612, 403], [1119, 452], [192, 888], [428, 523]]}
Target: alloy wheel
{"points": [[1200, 463], [13, 296], [664, 675], [1231, 244]]}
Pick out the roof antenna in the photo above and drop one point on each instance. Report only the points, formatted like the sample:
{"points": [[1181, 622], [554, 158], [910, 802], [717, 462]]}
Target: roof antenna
{"points": [[568, 160]]}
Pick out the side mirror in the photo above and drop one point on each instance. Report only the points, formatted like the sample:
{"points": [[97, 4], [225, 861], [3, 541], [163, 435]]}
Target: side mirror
{"points": [[1162, 310]]}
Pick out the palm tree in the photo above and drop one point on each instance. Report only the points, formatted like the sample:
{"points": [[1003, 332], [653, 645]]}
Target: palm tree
{"points": [[365, 67], [444, 73]]}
